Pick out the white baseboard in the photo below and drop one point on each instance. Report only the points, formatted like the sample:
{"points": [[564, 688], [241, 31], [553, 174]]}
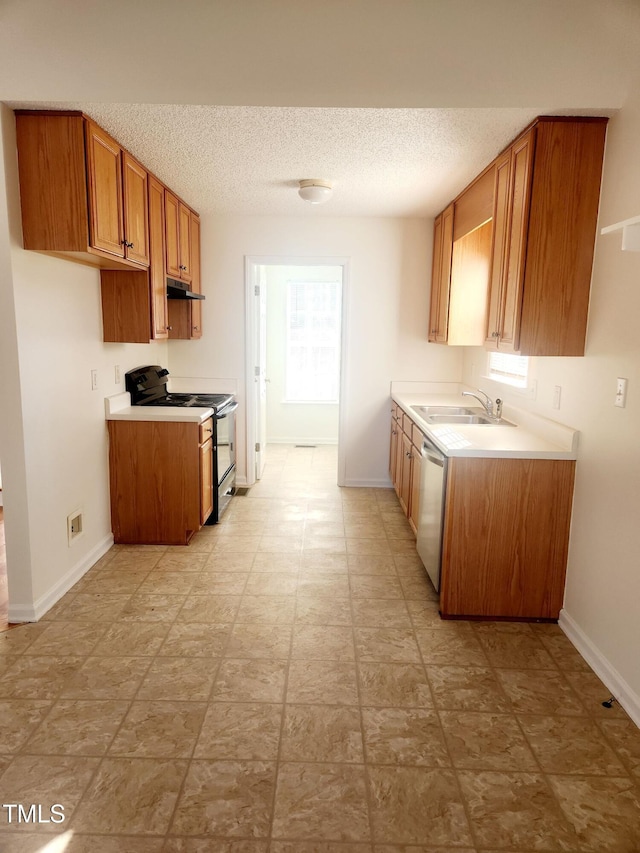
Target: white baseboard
{"points": [[34, 612], [606, 672], [302, 441]]}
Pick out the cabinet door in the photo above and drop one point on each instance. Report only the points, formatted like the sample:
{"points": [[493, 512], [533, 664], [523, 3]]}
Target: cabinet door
{"points": [[393, 447], [104, 157], [136, 210], [157, 278], [498, 248], [172, 240], [196, 304], [206, 480], [184, 241], [440, 285], [405, 482], [520, 197], [397, 483], [435, 278]]}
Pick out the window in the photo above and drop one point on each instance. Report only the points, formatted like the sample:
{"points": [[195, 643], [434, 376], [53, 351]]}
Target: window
{"points": [[510, 369], [313, 341]]}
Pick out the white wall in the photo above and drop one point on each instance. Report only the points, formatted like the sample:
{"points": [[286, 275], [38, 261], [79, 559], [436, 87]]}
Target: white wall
{"points": [[289, 422], [386, 317], [602, 599], [53, 440]]}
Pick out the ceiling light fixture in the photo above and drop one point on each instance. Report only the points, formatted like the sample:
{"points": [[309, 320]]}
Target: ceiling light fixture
{"points": [[315, 191]]}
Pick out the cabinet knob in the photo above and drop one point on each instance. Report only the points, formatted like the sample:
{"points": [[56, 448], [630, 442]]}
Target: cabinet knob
{"points": [[196, 328], [182, 267], [433, 331], [169, 328]]}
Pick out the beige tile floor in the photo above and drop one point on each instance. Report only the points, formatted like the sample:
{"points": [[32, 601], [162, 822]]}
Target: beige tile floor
{"points": [[285, 684]]}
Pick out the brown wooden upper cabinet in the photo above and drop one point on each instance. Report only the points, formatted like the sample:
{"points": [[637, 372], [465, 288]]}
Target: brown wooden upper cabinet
{"points": [[82, 196], [533, 255], [85, 198], [185, 316], [178, 238], [441, 275], [545, 212], [462, 248]]}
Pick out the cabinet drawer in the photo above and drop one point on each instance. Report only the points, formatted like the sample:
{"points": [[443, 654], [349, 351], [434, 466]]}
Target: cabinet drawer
{"points": [[206, 430], [407, 424], [417, 437]]}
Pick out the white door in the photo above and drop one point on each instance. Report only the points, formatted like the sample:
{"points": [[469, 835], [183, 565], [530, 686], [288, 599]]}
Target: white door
{"points": [[261, 370]]}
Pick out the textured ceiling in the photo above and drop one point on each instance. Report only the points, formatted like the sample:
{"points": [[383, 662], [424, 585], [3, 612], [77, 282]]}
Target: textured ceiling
{"points": [[248, 160]]}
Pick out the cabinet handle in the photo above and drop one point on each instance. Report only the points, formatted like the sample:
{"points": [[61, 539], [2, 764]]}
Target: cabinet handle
{"points": [[408, 454], [196, 328], [169, 328], [495, 335], [433, 331], [182, 267]]}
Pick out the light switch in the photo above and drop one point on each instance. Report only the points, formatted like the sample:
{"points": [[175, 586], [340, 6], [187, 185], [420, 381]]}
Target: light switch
{"points": [[621, 392]]}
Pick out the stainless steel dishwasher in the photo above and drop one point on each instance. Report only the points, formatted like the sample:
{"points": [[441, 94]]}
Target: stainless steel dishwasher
{"points": [[433, 484]]}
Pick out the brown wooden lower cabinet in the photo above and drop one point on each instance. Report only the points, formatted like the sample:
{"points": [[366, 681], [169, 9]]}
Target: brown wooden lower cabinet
{"points": [[506, 537], [405, 458], [161, 480]]}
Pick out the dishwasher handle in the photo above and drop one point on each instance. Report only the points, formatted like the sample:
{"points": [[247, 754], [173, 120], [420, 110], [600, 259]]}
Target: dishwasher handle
{"points": [[432, 454]]}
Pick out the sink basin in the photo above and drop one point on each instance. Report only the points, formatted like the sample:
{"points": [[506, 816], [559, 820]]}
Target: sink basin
{"points": [[457, 415], [458, 419], [426, 411]]}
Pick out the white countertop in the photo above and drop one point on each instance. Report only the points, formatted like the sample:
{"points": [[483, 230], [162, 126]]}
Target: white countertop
{"points": [[119, 408], [533, 437]]}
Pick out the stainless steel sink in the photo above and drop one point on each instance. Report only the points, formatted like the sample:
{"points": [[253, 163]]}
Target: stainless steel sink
{"points": [[457, 415], [425, 411], [458, 419]]}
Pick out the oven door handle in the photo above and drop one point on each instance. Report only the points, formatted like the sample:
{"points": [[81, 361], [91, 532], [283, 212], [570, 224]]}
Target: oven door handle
{"points": [[228, 410]]}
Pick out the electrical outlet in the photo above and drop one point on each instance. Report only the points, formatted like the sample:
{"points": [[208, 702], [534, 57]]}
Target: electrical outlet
{"points": [[621, 392], [116, 374], [75, 526], [557, 393], [94, 380]]}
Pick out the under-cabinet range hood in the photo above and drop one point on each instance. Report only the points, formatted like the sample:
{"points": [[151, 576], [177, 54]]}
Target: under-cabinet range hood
{"points": [[180, 290]]}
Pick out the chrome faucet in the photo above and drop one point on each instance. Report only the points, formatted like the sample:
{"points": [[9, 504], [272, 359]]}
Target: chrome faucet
{"points": [[487, 403]]}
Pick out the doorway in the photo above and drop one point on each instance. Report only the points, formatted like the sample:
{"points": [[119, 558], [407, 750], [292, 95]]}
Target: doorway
{"points": [[295, 356]]}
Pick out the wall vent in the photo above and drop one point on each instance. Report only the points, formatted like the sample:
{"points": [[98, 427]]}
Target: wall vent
{"points": [[75, 525]]}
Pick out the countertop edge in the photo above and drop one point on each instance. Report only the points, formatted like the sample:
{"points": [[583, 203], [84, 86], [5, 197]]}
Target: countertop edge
{"points": [[119, 408]]}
